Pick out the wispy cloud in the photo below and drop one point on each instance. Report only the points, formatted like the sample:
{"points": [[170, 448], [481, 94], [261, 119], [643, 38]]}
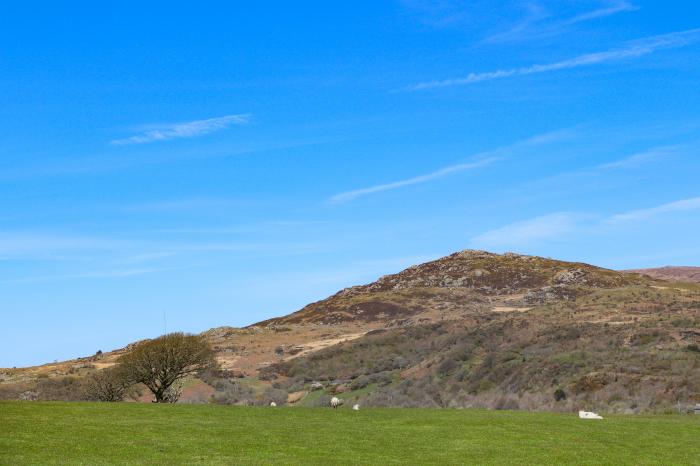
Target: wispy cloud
{"points": [[683, 205], [523, 20], [189, 129], [105, 163], [617, 172], [442, 172], [29, 244], [534, 14], [610, 8], [527, 231], [629, 50], [539, 23], [115, 273], [135, 248], [144, 257], [561, 224], [245, 228], [635, 160], [481, 160]]}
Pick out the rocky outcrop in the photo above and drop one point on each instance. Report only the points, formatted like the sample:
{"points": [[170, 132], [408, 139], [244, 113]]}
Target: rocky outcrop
{"points": [[478, 275]]}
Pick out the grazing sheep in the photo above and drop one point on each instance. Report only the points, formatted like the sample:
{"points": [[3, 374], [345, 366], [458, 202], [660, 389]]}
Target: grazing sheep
{"points": [[273, 404], [335, 402], [355, 407], [588, 415]]}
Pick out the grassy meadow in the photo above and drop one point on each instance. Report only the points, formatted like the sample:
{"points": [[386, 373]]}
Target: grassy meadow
{"points": [[131, 433]]}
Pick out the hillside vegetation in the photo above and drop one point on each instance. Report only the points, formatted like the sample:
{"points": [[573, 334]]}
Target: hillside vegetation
{"points": [[559, 356], [473, 329]]}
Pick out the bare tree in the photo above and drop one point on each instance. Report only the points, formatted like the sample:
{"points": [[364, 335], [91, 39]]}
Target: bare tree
{"points": [[111, 384], [161, 362]]}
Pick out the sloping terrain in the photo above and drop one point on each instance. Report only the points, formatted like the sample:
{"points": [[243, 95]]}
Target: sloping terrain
{"points": [[466, 279], [626, 349], [470, 329], [679, 274]]}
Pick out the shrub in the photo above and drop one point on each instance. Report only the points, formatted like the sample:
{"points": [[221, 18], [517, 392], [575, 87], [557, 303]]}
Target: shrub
{"points": [[360, 382], [276, 395], [107, 385], [381, 378], [61, 389], [447, 367], [559, 394], [229, 392], [11, 391]]}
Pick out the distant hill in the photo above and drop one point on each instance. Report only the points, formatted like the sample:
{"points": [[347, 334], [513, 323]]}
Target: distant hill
{"points": [[472, 329], [674, 273]]}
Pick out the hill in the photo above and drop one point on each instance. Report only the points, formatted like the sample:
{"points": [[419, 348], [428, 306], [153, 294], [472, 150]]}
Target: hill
{"points": [[672, 273], [461, 281], [473, 329]]}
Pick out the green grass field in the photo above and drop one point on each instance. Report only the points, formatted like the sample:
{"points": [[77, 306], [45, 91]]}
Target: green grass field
{"points": [[130, 433]]}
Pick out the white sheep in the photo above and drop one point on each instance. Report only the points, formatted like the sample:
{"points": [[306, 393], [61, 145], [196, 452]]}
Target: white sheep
{"points": [[335, 402], [355, 407], [589, 415], [273, 404]]}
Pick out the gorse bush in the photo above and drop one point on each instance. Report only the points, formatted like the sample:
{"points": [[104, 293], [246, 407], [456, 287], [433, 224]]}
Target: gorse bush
{"points": [[559, 395]]}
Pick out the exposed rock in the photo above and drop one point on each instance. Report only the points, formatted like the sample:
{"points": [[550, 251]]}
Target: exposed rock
{"points": [[549, 293], [29, 396], [292, 350], [479, 272]]}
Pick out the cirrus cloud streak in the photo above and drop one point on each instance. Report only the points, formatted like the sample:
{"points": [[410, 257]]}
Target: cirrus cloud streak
{"points": [[632, 49], [481, 160], [189, 129]]}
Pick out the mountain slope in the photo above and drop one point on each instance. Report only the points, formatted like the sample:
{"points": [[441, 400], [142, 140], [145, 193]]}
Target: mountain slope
{"points": [[470, 329], [626, 348], [460, 280]]}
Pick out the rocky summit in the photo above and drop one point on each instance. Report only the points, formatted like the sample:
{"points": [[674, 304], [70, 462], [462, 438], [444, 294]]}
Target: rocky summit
{"points": [[475, 276]]}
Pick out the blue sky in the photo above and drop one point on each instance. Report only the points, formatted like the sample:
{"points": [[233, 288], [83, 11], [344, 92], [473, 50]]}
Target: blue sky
{"points": [[224, 163]]}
